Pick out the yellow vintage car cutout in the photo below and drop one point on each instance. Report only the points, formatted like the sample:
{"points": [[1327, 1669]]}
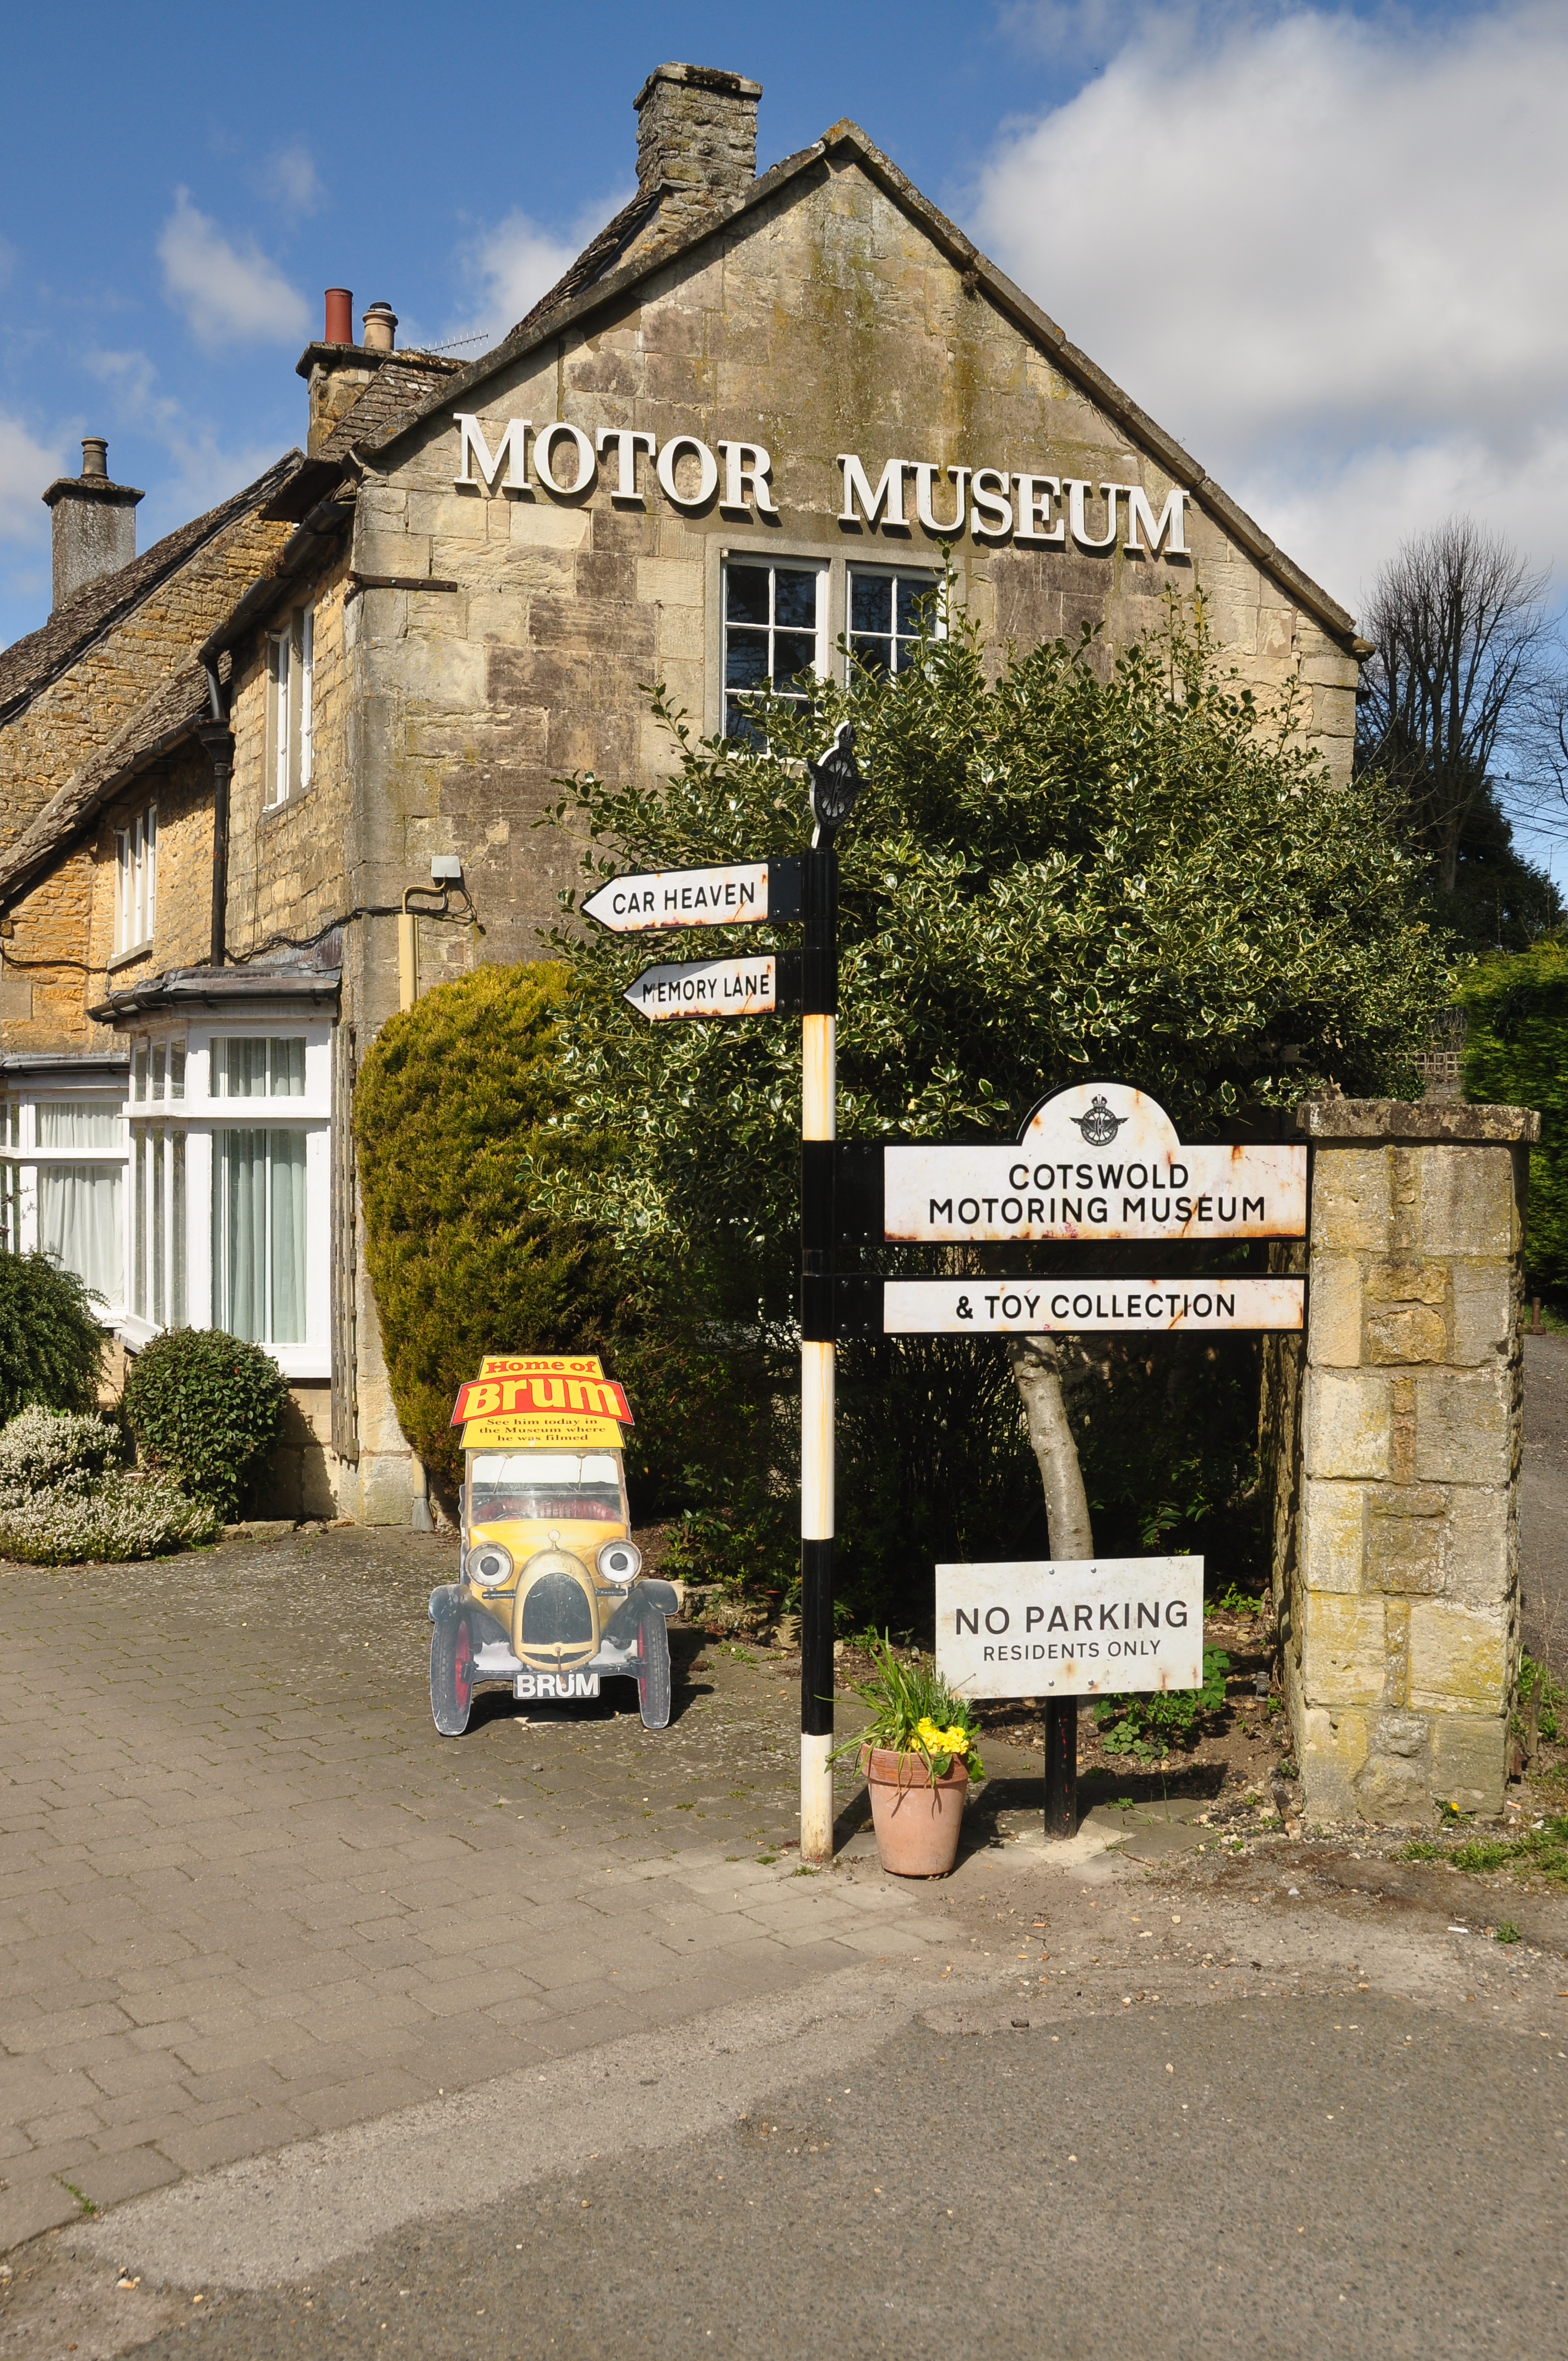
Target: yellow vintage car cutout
{"points": [[551, 1596]]}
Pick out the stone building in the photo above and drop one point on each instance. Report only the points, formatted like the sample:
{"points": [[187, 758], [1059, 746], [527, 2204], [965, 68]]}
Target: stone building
{"points": [[744, 427]]}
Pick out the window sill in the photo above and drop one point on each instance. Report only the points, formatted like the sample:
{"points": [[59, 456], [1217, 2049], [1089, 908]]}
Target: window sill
{"points": [[126, 958], [289, 804]]}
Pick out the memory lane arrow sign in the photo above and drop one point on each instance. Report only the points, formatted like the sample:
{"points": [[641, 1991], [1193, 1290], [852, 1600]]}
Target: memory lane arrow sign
{"points": [[744, 894], [767, 985]]}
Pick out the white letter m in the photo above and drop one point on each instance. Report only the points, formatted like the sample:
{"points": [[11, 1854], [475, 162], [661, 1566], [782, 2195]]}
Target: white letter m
{"points": [[473, 448]]}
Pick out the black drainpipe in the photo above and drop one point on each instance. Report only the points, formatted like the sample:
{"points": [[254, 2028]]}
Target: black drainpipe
{"points": [[218, 738]]}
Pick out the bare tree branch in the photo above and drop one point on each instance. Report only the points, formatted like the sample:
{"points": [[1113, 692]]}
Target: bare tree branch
{"points": [[1464, 651]]}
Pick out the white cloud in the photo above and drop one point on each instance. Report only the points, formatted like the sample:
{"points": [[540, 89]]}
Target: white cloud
{"points": [[512, 265], [290, 178], [227, 295], [205, 470], [26, 467], [1327, 253]]}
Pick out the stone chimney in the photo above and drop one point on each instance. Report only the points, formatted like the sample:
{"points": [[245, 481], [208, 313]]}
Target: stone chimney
{"points": [[94, 522], [696, 143]]}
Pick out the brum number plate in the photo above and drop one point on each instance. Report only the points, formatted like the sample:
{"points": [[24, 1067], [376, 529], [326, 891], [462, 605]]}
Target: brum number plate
{"points": [[556, 1685]]}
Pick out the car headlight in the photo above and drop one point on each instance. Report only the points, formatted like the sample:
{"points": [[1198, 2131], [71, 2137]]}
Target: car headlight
{"points": [[619, 1561], [487, 1565]]}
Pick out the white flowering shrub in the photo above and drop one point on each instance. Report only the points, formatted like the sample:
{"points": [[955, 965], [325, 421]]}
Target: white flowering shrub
{"points": [[64, 1497], [46, 1450], [124, 1515]]}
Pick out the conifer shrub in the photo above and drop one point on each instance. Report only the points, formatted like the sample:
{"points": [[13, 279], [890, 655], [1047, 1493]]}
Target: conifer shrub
{"points": [[205, 1409], [51, 1346], [448, 1106], [452, 1117]]}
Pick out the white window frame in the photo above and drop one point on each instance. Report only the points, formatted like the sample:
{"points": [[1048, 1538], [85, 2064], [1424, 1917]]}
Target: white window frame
{"points": [[22, 1153], [202, 1115], [890, 572], [773, 562], [157, 1201], [136, 883], [291, 709]]}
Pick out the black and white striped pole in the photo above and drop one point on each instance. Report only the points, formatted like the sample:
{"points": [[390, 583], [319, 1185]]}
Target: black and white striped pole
{"points": [[835, 785]]}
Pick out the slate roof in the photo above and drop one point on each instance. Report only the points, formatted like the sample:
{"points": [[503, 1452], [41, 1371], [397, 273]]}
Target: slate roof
{"points": [[597, 278], [171, 714], [399, 388], [29, 665]]}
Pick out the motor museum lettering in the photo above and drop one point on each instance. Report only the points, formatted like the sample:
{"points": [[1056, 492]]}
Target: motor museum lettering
{"points": [[946, 500]]}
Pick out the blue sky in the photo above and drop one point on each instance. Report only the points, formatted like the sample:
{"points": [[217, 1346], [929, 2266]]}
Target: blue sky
{"points": [[1324, 248]]}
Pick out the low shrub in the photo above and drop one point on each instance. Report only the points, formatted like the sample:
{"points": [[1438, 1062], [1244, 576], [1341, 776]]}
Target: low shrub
{"points": [[1148, 1725], [50, 1344], [53, 1450], [205, 1409], [124, 1515]]}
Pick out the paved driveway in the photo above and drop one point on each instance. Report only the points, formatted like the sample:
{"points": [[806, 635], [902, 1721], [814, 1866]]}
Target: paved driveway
{"points": [[248, 1893]]}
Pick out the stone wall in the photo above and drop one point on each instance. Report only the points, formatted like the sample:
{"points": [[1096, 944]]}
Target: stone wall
{"points": [[58, 958], [822, 321], [1396, 1561], [289, 862]]}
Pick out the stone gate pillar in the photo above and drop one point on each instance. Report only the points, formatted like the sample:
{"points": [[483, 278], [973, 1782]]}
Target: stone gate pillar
{"points": [[1397, 1587]]}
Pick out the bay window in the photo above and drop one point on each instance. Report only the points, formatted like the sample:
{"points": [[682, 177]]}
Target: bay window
{"points": [[62, 1170]]}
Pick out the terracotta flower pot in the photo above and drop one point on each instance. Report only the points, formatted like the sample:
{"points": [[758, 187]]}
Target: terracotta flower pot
{"points": [[916, 1819]]}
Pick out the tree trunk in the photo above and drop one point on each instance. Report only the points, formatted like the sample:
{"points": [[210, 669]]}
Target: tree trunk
{"points": [[1036, 1363]]}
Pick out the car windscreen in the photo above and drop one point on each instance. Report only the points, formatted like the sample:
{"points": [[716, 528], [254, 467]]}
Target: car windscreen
{"points": [[543, 1485]]}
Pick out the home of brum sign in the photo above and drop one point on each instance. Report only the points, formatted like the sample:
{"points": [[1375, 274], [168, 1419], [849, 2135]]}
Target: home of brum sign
{"points": [[1032, 509]]}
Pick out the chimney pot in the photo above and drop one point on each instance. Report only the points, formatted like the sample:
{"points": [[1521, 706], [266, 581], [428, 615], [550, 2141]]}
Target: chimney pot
{"points": [[696, 139], [95, 455], [379, 328], [339, 316]]}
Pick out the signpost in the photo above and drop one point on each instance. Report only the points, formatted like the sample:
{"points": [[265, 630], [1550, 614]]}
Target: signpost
{"points": [[1095, 1161], [785, 891]]}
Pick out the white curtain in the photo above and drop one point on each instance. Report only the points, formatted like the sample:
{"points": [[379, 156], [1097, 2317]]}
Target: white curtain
{"points": [[258, 1234], [239, 1227], [286, 1156], [62, 1125], [79, 1220]]}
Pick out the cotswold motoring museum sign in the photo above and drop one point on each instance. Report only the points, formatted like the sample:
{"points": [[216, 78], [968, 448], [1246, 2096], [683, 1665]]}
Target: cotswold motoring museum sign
{"points": [[1032, 510], [1098, 1160]]}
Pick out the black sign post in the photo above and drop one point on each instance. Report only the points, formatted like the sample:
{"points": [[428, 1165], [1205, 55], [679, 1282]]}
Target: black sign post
{"points": [[804, 891]]}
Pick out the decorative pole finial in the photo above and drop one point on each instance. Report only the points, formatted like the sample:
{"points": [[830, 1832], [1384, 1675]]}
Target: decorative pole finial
{"points": [[836, 784]]}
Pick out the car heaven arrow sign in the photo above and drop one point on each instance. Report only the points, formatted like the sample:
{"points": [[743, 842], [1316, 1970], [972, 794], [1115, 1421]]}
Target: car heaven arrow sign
{"points": [[768, 986], [742, 894]]}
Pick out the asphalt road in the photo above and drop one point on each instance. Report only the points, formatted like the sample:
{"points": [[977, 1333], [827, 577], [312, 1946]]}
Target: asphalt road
{"points": [[1286, 2178]]}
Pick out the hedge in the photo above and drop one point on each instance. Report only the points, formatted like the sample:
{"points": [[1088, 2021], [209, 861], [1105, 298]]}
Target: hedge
{"points": [[1516, 1054]]}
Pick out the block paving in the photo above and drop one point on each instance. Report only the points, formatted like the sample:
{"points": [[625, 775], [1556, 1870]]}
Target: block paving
{"points": [[248, 1893]]}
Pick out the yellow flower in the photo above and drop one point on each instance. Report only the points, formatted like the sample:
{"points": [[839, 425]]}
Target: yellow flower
{"points": [[956, 1740]]}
